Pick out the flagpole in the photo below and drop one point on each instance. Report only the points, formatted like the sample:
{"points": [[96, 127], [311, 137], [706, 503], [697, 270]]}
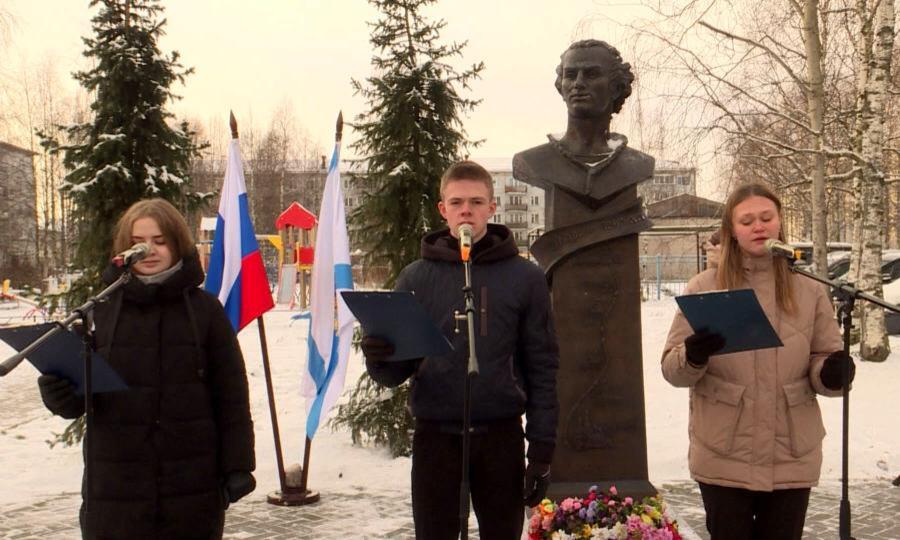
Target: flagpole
{"points": [[307, 449], [287, 495]]}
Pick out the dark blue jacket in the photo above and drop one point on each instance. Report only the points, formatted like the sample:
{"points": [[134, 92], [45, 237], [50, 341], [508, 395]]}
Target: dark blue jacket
{"points": [[514, 335]]}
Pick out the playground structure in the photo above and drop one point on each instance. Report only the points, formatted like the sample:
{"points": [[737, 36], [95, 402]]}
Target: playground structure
{"points": [[293, 244], [297, 230]]}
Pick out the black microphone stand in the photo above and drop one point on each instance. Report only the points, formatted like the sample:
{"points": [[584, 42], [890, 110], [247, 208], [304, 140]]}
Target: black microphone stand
{"points": [[471, 371], [85, 313], [846, 295]]}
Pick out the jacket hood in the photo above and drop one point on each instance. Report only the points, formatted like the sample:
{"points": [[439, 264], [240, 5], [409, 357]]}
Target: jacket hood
{"points": [[497, 244], [189, 276]]}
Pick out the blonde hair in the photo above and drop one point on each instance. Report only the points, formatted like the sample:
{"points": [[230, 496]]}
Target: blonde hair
{"points": [[171, 223], [731, 260]]}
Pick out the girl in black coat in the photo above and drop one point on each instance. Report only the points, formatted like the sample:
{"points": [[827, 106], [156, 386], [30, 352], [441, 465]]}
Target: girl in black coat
{"points": [[172, 451]]}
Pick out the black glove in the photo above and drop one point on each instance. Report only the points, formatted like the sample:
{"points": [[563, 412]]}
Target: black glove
{"points": [[831, 370], [237, 485], [376, 349], [537, 480], [59, 396], [700, 346]]}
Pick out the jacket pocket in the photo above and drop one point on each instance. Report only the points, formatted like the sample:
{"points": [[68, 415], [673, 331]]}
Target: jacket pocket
{"points": [[804, 418], [716, 409]]}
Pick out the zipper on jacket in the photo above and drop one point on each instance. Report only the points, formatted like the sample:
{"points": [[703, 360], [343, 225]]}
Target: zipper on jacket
{"points": [[483, 310]]}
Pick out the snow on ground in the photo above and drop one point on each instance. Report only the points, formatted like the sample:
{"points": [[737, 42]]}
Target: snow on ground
{"points": [[31, 469]]}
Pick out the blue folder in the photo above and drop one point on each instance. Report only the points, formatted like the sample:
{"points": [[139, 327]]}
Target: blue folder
{"points": [[61, 356], [735, 315], [399, 318]]}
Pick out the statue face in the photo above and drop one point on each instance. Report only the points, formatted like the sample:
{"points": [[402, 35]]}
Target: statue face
{"points": [[588, 82]]}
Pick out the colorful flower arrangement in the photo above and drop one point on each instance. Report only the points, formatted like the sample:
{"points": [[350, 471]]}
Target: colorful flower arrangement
{"points": [[602, 516]]}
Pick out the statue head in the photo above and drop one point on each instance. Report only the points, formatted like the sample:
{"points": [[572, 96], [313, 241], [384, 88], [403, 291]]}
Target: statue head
{"points": [[593, 79]]}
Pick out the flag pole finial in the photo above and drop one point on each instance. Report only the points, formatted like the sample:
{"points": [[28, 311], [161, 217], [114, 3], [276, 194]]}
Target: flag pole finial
{"points": [[232, 121], [339, 127]]}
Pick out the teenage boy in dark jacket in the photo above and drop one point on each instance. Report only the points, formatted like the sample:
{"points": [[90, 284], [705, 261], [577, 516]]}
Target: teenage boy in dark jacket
{"points": [[517, 356]]}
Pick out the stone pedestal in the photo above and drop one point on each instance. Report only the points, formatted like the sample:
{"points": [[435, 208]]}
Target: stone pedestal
{"points": [[597, 308]]}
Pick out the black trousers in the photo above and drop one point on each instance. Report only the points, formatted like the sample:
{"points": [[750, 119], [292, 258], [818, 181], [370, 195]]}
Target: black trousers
{"points": [[741, 514], [497, 469]]}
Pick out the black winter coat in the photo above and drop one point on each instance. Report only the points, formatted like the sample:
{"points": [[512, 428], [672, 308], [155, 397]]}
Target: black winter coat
{"points": [[162, 448], [514, 335]]}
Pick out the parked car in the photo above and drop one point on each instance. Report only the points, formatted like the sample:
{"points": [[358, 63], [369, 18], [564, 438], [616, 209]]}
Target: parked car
{"points": [[835, 250], [890, 267], [890, 276], [838, 263]]}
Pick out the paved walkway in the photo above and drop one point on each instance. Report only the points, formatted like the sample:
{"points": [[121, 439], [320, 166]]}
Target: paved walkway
{"points": [[363, 513]]}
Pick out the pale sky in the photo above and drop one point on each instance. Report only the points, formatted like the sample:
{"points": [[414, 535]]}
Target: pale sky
{"points": [[253, 56]]}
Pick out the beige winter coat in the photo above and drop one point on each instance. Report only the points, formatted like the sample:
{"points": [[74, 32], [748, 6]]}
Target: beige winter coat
{"points": [[754, 419]]}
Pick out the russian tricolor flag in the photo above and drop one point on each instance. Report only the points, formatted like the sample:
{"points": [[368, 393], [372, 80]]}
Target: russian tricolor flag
{"points": [[236, 273]]}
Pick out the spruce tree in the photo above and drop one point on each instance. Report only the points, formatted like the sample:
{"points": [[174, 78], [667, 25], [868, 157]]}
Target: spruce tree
{"points": [[411, 133], [129, 149]]}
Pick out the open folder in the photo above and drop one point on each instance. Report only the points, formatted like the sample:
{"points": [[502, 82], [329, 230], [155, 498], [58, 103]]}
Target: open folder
{"points": [[61, 356], [735, 315], [399, 318]]}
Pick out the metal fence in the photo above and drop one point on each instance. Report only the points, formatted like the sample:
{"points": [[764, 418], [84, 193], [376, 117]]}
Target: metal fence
{"points": [[667, 275]]}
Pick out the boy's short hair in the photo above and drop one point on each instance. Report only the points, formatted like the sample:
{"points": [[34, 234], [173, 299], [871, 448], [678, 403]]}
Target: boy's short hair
{"points": [[467, 170]]}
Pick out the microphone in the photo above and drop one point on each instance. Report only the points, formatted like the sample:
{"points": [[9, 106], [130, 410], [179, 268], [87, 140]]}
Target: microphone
{"points": [[132, 254], [465, 241], [781, 249]]}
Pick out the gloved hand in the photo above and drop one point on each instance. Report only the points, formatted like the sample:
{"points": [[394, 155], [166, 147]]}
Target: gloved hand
{"points": [[831, 370], [537, 480], [699, 346], [59, 396], [237, 485], [376, 349]]}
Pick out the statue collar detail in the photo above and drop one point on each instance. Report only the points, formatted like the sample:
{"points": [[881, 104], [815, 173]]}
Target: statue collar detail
{"points": [[592, 163]]}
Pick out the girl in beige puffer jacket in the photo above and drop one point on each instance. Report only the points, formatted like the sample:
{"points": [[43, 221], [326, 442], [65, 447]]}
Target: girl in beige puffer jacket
{"points": [[755, 426]]}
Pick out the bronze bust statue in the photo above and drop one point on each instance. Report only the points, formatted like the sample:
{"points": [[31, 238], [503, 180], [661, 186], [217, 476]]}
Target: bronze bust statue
{"points": [[589, 174], [590, 252]]}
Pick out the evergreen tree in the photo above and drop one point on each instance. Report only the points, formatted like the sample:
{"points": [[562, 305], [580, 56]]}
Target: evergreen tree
{"points": [[128, 150], [410, 135]]}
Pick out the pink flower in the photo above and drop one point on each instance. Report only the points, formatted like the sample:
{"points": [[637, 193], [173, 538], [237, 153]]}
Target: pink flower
{"points": [[547, 523], [629, 500], [611, 503], [612, 490]]}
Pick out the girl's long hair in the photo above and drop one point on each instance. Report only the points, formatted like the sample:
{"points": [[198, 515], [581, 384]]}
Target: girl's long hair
{"points": [[731, 263], [171, 223]]}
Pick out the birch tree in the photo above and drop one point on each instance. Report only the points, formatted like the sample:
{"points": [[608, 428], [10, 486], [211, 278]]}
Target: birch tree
{"points": [[874, 46]]}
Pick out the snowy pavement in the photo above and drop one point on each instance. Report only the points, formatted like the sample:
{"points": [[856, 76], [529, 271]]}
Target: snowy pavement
{"points": [[365, 494]]}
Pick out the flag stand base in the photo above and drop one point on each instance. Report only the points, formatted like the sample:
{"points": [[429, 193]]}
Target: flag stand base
{"points": [[292, 497]]}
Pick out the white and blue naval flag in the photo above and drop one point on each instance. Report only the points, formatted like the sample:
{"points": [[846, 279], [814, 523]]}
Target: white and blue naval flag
{"points": [[331, 324]]}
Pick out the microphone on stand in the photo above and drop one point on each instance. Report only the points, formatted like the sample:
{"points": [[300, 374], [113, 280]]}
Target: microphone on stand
{"points": [[780, 249], [465, 241], [132, 254]]}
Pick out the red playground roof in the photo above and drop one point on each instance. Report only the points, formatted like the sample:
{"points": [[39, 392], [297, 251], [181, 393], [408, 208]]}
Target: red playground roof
{"points": [[296, 216]]}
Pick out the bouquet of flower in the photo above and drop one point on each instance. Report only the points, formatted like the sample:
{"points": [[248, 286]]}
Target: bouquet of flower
{"points": [[602, 516]]}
